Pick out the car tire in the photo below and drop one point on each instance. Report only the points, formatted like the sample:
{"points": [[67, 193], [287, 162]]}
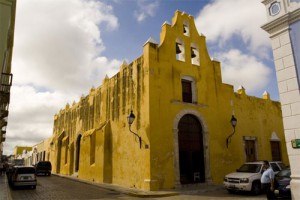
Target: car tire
{"points": [[256, 188], [230, 191], [34, 187]]}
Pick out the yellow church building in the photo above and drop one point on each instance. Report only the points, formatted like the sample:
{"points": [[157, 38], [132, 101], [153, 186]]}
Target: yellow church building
{"points": [[166, 120]]}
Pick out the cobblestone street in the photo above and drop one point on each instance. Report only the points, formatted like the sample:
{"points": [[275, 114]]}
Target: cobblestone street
{"points": [[56, 187], [60, 188]]}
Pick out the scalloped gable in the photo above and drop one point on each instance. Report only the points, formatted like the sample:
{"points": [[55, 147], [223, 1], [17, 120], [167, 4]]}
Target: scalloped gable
{"points": [[183, 29]]}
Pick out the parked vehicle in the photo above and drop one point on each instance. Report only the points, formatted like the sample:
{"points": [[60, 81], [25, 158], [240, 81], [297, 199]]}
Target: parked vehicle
{"points": [[282, 184], [43, 167], [22, 176], [247, 177]]}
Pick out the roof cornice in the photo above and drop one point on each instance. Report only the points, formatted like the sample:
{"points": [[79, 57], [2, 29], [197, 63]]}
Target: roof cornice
{"points": [[282, 22]]}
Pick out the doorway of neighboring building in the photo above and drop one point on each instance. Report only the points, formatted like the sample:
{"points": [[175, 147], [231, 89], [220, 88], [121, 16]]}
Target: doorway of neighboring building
{"points": [[191, 153], [250, 150], [71, 158], [77, 158], [276, 150]]}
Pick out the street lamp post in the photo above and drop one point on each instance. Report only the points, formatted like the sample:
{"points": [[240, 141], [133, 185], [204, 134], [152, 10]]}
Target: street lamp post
{"points": [[130, 119], [233, 122]]}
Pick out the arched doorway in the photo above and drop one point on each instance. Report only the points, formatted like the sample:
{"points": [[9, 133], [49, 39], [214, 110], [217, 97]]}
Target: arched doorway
{"points": [[58, 158], [71, 158], [191, 151], [77, 158]]}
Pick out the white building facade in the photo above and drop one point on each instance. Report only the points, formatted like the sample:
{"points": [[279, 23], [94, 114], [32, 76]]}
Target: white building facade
{"points": [[284, 28]]}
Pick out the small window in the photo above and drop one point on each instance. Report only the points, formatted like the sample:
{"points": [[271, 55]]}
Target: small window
{"points": [[274, 8], [187, 95], [188, 85]]}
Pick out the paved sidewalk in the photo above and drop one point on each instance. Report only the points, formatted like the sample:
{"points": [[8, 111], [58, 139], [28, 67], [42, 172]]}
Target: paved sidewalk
{"points": [[4, 190], [191, 189]]}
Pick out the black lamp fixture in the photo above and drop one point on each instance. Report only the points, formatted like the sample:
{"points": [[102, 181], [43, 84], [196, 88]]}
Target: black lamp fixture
{"points": [[130, 119], [233, 122]]}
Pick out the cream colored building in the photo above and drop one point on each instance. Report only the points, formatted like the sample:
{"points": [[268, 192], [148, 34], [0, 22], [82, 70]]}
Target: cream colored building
{"points": [[39, 152], [284, 29], [21, 151], [182, 132]]}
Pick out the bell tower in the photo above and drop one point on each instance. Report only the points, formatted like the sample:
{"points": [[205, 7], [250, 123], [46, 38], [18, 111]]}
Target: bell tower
{"points": [[284, 28]]}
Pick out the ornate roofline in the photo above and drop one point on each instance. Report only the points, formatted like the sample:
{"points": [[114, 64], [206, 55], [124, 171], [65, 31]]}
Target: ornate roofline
{"points": [[282, 22]]}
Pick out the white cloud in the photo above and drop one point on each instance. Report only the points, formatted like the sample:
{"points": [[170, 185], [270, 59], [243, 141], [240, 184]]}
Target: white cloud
{"points": [[31, 115], [56, 59], [223, 20], [235, 24], [59, 40], [240, 69], [145, 9]]}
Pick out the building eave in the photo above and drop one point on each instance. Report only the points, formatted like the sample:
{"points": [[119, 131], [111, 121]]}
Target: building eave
{"points": [[281, 22]]}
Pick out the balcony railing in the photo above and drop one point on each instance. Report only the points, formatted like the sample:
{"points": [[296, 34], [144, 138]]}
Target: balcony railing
{"points": [[3, 122], [3, 113], [6, 82], [5, 85]]}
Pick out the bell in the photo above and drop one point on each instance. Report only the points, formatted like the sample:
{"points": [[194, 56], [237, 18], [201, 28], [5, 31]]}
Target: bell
{"points": [[193, 55], [178, 51], [184, 29]]}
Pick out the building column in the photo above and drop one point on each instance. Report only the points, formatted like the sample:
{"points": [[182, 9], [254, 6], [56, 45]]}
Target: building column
{"points": [[284, 29]]}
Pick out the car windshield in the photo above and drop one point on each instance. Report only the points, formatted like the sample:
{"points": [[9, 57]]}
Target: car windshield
{"points": [[284, 173], [250, 168], [282, 166]]}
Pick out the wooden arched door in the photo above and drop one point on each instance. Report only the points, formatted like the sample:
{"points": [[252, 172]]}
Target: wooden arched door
{"points": [[191, 151]]}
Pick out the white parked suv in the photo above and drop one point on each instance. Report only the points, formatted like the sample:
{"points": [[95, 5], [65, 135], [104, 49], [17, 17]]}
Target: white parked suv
{"points": [[247, 177]]}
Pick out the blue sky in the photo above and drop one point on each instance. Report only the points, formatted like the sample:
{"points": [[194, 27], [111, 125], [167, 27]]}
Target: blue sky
{"points": [[62, 48], [133, 34]]}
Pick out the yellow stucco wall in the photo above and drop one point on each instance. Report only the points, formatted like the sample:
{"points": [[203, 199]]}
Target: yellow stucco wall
{"points": [[91, 138]]}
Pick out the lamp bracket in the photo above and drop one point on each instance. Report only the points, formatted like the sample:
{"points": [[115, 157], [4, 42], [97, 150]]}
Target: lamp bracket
{"points": [[139, 137]]}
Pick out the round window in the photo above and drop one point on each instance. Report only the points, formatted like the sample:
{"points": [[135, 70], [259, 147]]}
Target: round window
{"points": [[275, 8]]}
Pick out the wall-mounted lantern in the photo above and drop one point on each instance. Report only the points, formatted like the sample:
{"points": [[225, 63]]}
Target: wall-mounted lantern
{"points": [[233, 122], [130, 119]]}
